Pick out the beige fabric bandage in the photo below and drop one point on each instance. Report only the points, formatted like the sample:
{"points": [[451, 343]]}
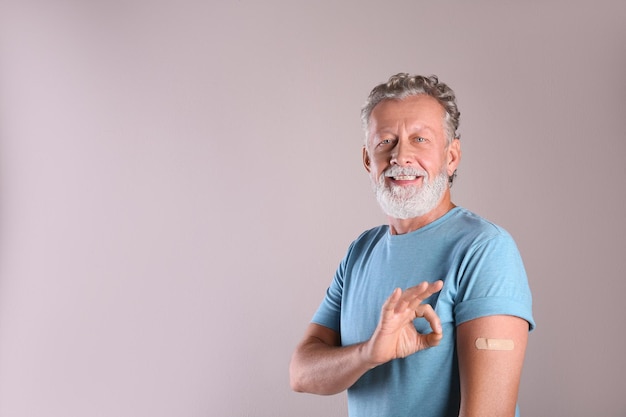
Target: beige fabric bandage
{"points": [[483, 343]]}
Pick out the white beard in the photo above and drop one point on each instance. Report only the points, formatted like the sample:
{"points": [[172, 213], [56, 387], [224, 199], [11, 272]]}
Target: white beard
{"points": [[406, 202]]}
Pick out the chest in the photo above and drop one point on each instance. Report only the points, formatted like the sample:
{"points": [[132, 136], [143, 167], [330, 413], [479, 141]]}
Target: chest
{"points": [[371, 278]]}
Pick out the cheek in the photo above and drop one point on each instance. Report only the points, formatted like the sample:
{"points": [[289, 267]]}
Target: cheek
{"points": [[435, 163], [378, 169]]}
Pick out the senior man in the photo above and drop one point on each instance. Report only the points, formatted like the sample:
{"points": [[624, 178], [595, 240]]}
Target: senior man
{"points": [[429, 315]]}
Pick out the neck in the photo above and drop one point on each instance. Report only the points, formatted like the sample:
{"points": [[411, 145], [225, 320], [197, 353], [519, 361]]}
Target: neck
{"points": [[402, 226]]}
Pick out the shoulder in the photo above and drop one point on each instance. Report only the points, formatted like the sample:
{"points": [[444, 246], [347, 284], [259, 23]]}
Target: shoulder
{"points": [[363, 245], [369, 237], [491, 278], [475, 229], [481, 244]]}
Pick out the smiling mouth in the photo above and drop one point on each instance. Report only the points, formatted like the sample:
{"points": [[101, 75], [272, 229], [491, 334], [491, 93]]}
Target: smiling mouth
{"points": [[405, 178]]}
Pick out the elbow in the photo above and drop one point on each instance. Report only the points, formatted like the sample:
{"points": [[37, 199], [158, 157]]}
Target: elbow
{"points": [[296, 385], [294, 382], [295, 378], [301, 381]]}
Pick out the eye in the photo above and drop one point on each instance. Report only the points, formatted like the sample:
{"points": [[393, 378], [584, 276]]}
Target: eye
{"points": [[420, 139], [384, 142]]}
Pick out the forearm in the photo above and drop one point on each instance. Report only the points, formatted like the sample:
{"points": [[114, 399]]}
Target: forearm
{"points": [[318, 368], [320, 365]]}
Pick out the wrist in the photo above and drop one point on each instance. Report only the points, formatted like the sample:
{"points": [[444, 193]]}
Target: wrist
{"points": [[368, 356]]}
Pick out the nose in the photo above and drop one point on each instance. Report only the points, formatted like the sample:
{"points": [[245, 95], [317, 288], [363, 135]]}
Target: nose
{"points": [[402, 154]]}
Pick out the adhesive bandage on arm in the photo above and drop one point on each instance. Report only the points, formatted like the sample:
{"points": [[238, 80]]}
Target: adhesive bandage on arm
{"points": [[483, 343]]}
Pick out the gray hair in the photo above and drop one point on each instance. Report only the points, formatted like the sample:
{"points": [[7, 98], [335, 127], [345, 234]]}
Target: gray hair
{"points": [[403, 85]]}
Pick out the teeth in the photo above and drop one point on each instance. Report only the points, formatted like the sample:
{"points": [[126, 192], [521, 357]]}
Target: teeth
{"points": [[405, 178]]}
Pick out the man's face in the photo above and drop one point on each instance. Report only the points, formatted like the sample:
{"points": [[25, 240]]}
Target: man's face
{"points": [[408, 157]]}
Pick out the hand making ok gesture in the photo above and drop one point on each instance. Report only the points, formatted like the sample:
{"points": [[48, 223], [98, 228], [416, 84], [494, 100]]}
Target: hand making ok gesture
{"points": [[396, 336]]}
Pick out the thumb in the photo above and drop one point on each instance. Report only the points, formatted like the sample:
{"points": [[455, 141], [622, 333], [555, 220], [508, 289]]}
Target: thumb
{"points": [[432, 339]]}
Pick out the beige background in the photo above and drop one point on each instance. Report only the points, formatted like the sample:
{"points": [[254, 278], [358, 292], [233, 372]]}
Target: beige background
{"points": [[179, 180]]}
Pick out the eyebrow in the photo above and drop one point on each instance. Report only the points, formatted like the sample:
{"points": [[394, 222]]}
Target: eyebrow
{"points": [[415, 128]]}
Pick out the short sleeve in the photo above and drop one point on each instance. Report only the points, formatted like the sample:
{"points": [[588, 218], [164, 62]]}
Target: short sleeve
{"points": [[493, 281], [328, 313]]}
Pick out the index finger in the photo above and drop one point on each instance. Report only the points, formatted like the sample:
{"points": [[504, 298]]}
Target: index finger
{"points": [[415, 295]]}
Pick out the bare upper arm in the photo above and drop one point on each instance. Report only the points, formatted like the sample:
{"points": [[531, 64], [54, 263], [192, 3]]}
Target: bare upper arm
{"points": [[490, 377], [315, 333]]}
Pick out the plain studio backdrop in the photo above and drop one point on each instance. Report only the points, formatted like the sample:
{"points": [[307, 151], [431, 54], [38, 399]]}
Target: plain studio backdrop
{"points": [[180, 179]]}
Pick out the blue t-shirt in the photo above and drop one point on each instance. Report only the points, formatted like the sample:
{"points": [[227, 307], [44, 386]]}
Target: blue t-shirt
{"points": [[483, 275]]}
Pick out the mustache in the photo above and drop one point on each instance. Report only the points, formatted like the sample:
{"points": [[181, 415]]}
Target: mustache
{"points": [[396, 171]]}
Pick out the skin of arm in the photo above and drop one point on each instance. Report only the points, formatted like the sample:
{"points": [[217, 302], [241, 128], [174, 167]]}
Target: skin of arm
{"points": [[490, 378], [320, 365]]}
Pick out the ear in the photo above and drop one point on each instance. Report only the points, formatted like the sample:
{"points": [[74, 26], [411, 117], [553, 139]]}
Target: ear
{"points": [[454, 156], [366, 160]]}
